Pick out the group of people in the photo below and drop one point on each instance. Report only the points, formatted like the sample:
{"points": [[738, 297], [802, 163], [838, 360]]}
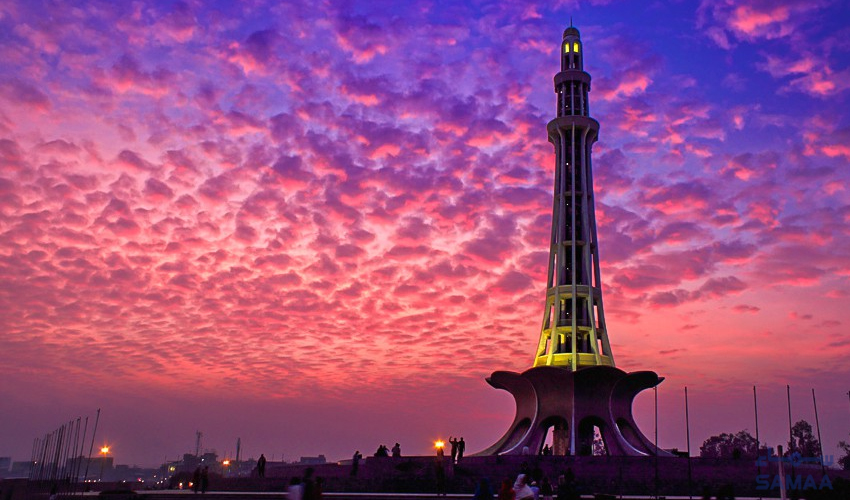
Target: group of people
{"points": [[457, 449], [383, 451], [526, 487], [306, 488], [530, 486]]}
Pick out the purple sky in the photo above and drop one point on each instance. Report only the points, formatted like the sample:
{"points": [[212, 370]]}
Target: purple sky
{"points": [[319, 226]]}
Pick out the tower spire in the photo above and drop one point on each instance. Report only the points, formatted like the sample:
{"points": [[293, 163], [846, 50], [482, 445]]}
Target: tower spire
{"points": [[574, 334]]}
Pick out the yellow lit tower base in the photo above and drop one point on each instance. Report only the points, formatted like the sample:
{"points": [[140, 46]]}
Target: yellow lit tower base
{"points": [[573, 389]]}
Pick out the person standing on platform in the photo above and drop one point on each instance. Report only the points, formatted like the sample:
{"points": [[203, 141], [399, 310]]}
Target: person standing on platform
{"points": [[261, 465], [454, 443], [397, 451], [355, 462], [461, 447]]}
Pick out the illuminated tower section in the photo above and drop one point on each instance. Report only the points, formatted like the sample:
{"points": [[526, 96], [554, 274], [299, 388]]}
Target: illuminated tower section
{"points": [[573, 335]]}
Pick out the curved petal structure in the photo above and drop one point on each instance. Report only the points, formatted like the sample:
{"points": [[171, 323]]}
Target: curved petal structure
{"points": [[571, 404]]}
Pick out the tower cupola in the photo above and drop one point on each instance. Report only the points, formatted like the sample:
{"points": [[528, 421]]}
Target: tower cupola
{"points": [[571, 53]]}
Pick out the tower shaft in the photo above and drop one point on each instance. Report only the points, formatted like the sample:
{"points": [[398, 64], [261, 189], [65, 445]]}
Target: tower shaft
{"points": [[573, 334]]}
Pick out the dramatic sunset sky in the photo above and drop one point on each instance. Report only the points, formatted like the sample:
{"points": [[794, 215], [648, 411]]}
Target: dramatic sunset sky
{"points": [[318, 226]]}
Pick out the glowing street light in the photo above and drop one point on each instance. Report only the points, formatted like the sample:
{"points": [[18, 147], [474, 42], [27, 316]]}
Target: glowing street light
{"points": [[439, 444], [103, 451]]}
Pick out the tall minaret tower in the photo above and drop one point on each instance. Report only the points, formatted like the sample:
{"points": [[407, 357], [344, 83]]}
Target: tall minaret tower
{"points": [[573, 335], [573, 391]]}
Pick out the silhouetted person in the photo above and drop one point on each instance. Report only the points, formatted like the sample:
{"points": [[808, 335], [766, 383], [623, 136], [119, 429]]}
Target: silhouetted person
{"points": [[506, 492], [296, 490], [454, 443], [483, 490], [522, 489], [546, 490], [397, 451], [440, 473], [536, 474], [566, 486], [318, 493], [196, 480], [261, 465], [355, 462], [310, 492], [205, 479], [461, 447]]}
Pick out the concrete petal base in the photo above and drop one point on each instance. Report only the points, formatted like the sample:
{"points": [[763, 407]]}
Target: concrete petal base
{"points": [[549, 397]]}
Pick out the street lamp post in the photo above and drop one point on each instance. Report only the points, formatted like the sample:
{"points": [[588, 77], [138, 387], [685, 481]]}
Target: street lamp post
{"points": [[103, 451]]}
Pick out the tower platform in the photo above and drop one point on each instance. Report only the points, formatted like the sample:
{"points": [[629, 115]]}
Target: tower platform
{"points": [[548, 398]]}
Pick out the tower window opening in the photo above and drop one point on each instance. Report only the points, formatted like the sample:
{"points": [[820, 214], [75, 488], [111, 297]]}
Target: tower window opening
{"points": [[575, 47]]}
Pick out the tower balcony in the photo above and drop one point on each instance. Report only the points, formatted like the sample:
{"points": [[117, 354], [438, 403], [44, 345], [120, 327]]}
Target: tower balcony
{"points": [[583, 360], [566, 291]]}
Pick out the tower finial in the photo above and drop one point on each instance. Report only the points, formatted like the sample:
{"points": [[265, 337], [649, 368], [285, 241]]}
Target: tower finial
{"points": [[571, 21]]}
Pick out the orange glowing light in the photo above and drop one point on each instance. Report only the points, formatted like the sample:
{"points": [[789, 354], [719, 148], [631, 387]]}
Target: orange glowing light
{"points": [[439, 444], [104, 450], [226, 463]]}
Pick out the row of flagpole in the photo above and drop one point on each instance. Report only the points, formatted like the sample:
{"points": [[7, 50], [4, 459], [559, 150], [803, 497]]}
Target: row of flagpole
{"points": [[756, 412], [791, 449], [57, 457]]}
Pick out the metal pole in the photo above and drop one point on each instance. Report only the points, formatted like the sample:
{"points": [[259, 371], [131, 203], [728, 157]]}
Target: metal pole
{"points": [[80, 453], [655, 390], [790, 431], [32, 457], [93, 434], [688, 432], [758, 442], [756, 408], [817, 425], [75, 458], [781, 464]]}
